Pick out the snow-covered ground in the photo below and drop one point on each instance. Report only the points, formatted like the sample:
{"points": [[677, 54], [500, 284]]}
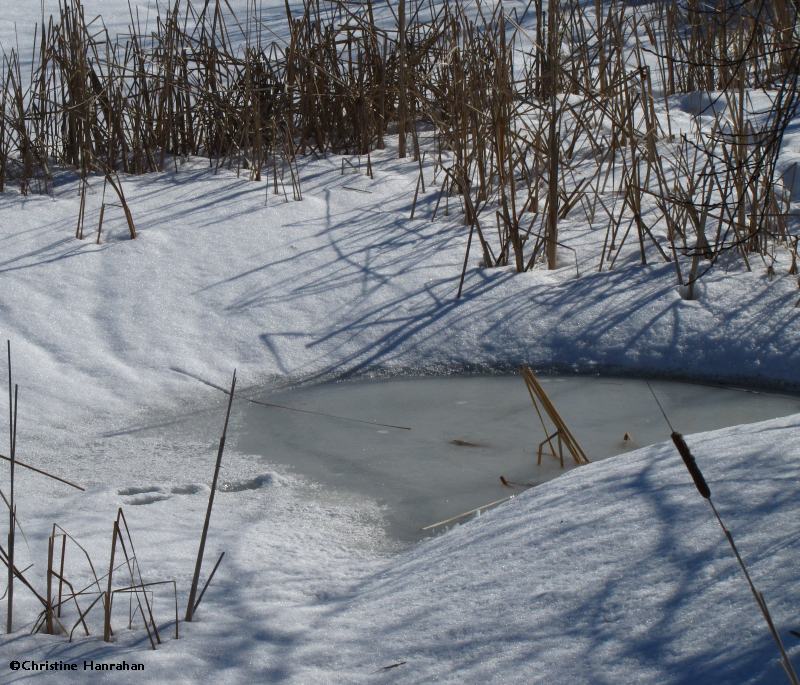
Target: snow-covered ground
{"points": [[615, 573]]}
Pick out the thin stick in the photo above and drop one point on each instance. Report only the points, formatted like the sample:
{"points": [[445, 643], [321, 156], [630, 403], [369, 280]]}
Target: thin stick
{"points": [[296, 409], [198, 564], [467, 513], [762, 604], [135, 565], [44, 473], [49, 595], [20, 576], [705, 492], [330, 416], [208, 582], [107, 607], [61, 571], [12, 509]]}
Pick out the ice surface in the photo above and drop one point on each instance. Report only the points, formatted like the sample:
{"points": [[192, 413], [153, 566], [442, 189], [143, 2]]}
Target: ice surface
{"points": [[467, 431]]}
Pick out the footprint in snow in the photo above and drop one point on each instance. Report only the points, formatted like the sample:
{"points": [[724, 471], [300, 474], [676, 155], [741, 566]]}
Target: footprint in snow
{"points": [[139, 495], [138, 490], [247, 484], [191, 489]]}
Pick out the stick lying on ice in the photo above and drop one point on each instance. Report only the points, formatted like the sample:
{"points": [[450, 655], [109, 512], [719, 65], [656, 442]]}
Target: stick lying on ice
{"points": [[467, 513], [287, 408]]}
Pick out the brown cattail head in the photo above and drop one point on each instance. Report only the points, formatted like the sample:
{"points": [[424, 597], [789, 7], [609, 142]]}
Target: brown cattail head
{"points": [[691, 465]]}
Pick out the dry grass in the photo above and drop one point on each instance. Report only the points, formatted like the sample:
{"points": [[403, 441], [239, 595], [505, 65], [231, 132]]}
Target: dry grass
{"points": [[529, 125]]}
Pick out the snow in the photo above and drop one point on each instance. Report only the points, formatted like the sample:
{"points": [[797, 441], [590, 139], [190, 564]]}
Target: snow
{"points": [[616, 572], [557, 588]]}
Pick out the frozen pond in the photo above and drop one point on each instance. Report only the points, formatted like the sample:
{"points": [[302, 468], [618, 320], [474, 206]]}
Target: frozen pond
{"points": [[457, 435]]}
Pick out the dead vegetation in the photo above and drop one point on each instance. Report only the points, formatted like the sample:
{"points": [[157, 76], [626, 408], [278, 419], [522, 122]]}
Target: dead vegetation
{"points": [[77, 597], [531, 118]]}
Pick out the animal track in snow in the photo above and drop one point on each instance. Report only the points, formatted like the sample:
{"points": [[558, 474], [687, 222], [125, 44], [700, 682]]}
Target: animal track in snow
{"points": [[147, 498], [190, 489], [125, 492], [247, 484], [139, 495], [148, 494]]}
